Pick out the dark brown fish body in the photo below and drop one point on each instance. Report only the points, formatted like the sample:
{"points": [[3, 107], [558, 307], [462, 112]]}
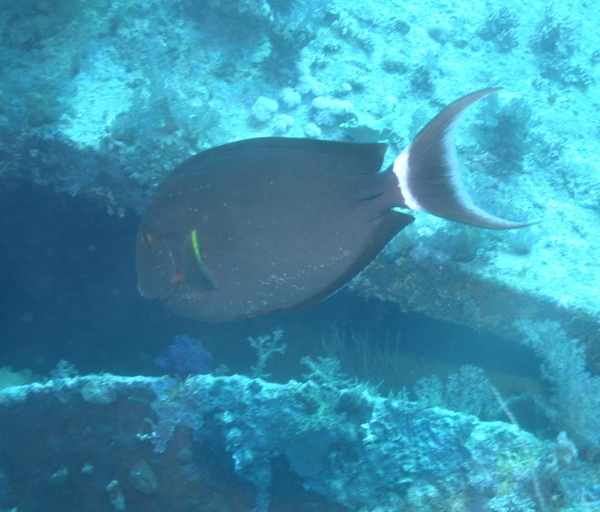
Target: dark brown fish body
{"points": [[273, 224]]}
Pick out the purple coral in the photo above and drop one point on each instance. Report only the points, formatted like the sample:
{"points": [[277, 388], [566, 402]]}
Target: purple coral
{"points": [[185, 356]]}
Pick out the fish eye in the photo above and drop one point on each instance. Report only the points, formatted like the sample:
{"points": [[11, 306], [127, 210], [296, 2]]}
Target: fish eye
{"points": [[147, 238]]}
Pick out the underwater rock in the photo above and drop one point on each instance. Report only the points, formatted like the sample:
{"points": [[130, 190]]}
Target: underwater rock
{"points": [[99, 392], [361, 452], [142, 477]]}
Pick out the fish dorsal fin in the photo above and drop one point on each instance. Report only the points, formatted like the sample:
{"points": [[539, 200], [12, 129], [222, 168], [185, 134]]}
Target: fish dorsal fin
{"points": [[428, 171], [194, 271], [360, 158], [387, 226]]}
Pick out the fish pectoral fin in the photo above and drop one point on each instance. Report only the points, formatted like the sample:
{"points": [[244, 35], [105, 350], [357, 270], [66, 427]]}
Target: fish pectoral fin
{"points": [[428, 172], [194, 271]]}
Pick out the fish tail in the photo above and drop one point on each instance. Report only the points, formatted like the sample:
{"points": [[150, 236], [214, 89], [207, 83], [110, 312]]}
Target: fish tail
{"points": [[428, 173]]}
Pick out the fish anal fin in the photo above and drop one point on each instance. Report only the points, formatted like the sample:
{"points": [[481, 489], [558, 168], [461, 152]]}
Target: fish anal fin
{"points": [[387, 226], [194, 271], [428, 172]]}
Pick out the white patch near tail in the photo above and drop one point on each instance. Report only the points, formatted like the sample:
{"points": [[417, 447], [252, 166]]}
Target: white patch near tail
{"points": [[401, 172], [428, 174]]}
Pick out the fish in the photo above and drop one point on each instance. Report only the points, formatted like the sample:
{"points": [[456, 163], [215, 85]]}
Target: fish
{"points": [[275, 224]]}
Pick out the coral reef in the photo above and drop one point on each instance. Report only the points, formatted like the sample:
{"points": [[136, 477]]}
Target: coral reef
{"points": [[266, 347], [556, 44], [346, 444], [505, 132], [575, 404], [105, 98], [500, 28], [264, 109], [468, 392], [185, 356]]}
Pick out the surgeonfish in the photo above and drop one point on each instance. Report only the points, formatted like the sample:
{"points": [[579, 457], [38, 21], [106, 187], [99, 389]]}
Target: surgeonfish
{"points": [[276, 224]]}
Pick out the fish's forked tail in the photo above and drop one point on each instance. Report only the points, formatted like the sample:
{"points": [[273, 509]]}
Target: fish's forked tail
{"points": [[428, 175]]}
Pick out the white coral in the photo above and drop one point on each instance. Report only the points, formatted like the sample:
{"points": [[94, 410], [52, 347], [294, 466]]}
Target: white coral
{"points": [[264, 108], [329, 111]]}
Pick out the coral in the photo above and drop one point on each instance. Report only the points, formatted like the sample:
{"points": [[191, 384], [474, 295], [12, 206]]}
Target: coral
{"points": [[307, 84], [555, 43], [64, 370], [554, 36], [291, 98], [376, 361], [565, 453], [350, 29], [429, 391], [500, 29], [421, 80], [263, 109], [326, 371], [330, 111], [399, 25], [575, 74], [185, 356], [467, 391], [358, 450], [364, 128], [575, 405], [201, 121], [394, 62], [505, 132], [419, 254], [266, 347], [115, 496], [312, 130], [349, 445], [512, 503], [283, 123]]}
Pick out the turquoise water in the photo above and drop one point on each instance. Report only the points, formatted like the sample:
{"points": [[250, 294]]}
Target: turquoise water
{"points": [[101, 100]]}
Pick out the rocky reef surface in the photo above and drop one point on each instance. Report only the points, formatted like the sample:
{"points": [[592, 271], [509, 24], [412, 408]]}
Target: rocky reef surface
{"points": [[104, 442], [102, 99]]}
